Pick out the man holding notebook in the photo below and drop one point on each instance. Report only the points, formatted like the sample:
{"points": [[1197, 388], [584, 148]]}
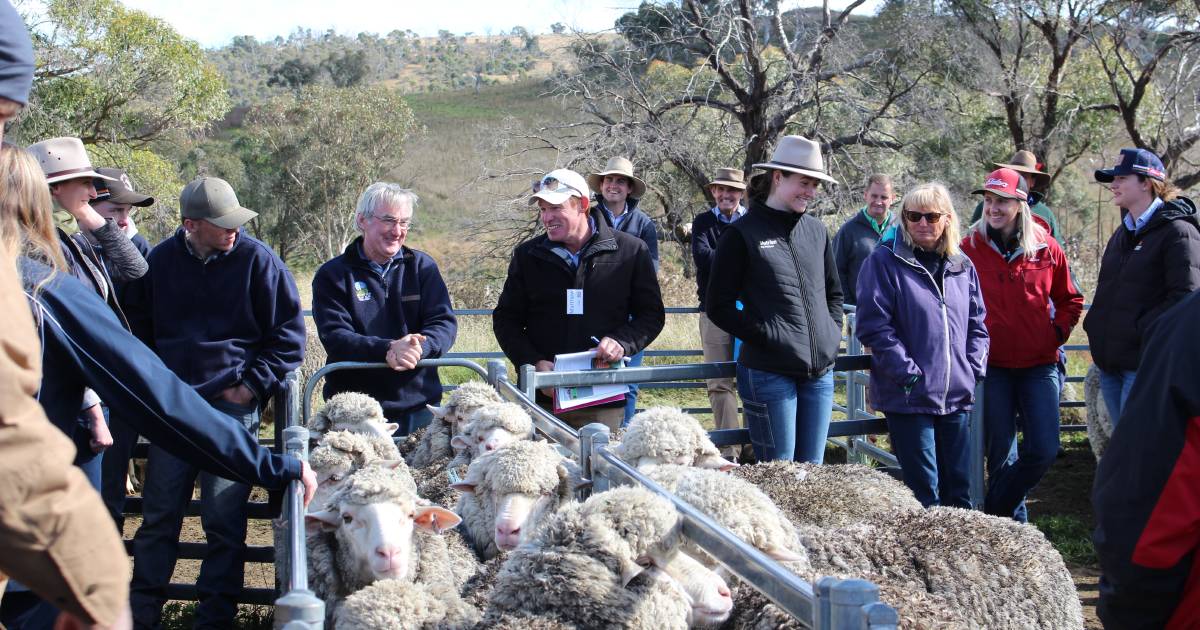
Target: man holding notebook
{"points": [[578, 281]]}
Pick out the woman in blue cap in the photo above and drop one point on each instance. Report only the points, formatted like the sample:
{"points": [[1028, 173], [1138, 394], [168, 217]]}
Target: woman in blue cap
{"points": [[1151, 262]]}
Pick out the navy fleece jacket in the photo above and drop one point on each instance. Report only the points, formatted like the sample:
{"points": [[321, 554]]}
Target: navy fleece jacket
{"points": [[359, 312], [234, 318]]}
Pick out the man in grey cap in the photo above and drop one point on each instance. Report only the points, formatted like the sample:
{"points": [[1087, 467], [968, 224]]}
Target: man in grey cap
{"points": [[222, 311]]}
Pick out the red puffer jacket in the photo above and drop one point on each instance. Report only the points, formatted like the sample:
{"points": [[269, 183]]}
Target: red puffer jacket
{"points": [[1032, 302]]}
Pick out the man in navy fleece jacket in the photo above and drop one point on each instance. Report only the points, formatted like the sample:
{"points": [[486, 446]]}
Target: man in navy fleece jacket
{"points": [[223, 313], [381, 301]]}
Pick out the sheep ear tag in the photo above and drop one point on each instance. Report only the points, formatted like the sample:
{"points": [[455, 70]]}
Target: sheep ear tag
{"points": [[323, 521], [436, 519]]}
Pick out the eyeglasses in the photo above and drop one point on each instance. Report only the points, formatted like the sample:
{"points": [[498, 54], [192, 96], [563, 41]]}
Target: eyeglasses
{"points": [[912, 216], [553, 185], [391, 222]]}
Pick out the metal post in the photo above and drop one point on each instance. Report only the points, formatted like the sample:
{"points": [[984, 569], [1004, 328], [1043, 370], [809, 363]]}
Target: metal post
{"points": [[847, 599], [823, 611], [496, 370], [590, 437], [855, 394], [527, 382], [880, 616], [298, 608], [975, 435]]}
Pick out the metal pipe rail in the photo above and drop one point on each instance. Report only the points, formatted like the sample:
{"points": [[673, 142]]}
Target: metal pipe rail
{"points": [[298, 608], [360, 365], [834, 604]]}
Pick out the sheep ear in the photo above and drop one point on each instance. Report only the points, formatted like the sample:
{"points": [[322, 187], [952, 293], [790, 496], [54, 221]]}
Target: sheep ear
{"points": [[436, 519], [629, 570], [392, 464], [784, 555], [391, 427], [464, 487], [438, 412], [715, 462], [323, 521], [459, 442]]}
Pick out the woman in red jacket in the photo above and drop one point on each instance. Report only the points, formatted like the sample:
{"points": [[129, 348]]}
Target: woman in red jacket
{"points": [[1032, 305]]}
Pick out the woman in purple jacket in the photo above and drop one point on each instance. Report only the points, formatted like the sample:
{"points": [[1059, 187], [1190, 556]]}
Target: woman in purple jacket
{"points": [[921, 313]]}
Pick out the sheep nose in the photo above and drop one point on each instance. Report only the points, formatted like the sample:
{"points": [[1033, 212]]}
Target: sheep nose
{"points": [[489, 447], [723, 590], [387, 552], [501, 530]]}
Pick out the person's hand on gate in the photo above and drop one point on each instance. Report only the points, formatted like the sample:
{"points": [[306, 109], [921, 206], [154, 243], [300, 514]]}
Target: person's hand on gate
{"points": [[545, 366], [309, 478], [405, 352]]}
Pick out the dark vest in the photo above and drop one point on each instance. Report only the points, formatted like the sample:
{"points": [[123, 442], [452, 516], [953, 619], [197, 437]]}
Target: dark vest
{"points": [[785, 288]]}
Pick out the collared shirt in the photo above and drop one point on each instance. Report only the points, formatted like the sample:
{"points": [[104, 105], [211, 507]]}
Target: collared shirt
{"points": [[614, 219], [879, 226], [216, 253], [376, 267], [1136, 226], [737, 214], [572, 259]]}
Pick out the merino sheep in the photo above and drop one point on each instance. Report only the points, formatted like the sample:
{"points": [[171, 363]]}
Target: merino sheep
{"points": [[340, 453], [666, 435], [376, 528], [1099, 424], [488, 428], [996, 572], [508, 490], [434, 441], [737, 505], [400, 605], [828, 495], [352, 411], [611, 562]]}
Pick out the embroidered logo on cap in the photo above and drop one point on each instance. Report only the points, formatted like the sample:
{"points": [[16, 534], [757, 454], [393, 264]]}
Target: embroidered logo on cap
{"points": [[996, 183]]}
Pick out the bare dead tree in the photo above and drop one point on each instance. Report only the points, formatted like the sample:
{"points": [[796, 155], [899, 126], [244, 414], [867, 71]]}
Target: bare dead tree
{"points": [[1151, 60]]}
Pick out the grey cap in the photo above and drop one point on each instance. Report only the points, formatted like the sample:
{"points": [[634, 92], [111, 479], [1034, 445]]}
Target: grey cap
{"points": [[212, 199]]}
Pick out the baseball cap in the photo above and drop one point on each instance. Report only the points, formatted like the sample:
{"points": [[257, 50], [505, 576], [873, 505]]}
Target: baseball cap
{"points": [[118, 189], [16, 56], [212, 199], [559, 185], [1005, 182], [1134, 162]]}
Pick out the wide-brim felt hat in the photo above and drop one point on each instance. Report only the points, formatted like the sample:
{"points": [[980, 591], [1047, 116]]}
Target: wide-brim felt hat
{"points": [[64, 159], [797, 154], [1024, 162], [731, 177], [618, 166]]}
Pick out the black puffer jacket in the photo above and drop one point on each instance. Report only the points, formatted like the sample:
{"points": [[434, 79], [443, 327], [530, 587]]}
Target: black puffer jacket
{"points": [[1141, 276], [780, 265], [621, 298]]}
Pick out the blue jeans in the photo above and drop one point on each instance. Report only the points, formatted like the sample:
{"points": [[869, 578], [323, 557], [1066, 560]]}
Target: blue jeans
{"points": [[788, 417], [934, 456], [1114, 387], [631, 397], [169, 482], [115, 468], [410, 421], [1014, 470]]}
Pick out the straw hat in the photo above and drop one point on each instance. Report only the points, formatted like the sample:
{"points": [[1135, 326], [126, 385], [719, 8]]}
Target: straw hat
{"points": [[618, 166], [64, 158], [731, 177], [1024, 162], [796, 154]]}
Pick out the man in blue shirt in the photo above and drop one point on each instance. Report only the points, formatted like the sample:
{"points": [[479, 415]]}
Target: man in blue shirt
{"points": [[222, 311], [382, 301]]}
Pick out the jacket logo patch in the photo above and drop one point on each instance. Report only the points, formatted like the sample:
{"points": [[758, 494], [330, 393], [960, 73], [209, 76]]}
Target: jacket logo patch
{"points": [[767, 244], [360, 291]]}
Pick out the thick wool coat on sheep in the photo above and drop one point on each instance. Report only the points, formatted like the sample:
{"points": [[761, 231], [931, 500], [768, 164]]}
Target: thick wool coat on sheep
{"points": [[434, 442], [335, 574], [736, 504], [510, 417], [572, 568], [668, 436], [526, 467], [996, 572], [399, 605], [1099, 424], [829, 495]]}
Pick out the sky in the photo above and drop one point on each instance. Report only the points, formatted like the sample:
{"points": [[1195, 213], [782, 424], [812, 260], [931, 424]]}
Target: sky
{"points": [[214, 23]]}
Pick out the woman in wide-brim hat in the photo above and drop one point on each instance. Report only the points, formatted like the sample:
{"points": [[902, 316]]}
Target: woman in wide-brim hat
{"points": [[778, 260]]}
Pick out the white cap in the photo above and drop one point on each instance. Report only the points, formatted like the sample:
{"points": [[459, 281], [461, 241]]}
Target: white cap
{"points": [[559, 185]]}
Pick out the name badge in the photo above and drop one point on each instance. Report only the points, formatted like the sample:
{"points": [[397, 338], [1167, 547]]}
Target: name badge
{"points": [[574, 301]]}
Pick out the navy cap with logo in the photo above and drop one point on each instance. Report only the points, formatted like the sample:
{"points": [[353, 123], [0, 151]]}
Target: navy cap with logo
{"points": [[119, 189], [1134, 162]]}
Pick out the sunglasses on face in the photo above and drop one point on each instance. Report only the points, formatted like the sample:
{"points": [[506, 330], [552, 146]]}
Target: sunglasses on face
{"points": [[912, 216]]}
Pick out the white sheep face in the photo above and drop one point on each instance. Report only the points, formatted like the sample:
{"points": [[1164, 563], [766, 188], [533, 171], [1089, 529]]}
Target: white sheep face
{"points": [[484, 441], [513, 514], [379, 536], [705, 589]]}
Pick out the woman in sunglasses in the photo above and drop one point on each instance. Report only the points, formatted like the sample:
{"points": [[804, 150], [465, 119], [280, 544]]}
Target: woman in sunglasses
{"points": [[921, 313], [1033, 305]]}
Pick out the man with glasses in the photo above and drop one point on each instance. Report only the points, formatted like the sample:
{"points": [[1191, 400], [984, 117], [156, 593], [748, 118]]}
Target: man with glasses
{"points": [[382, 301], [579, 286]]}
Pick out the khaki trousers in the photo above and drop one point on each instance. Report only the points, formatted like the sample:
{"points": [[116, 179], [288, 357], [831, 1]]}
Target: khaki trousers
{"points": [[610, 417], [722, 395]]}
